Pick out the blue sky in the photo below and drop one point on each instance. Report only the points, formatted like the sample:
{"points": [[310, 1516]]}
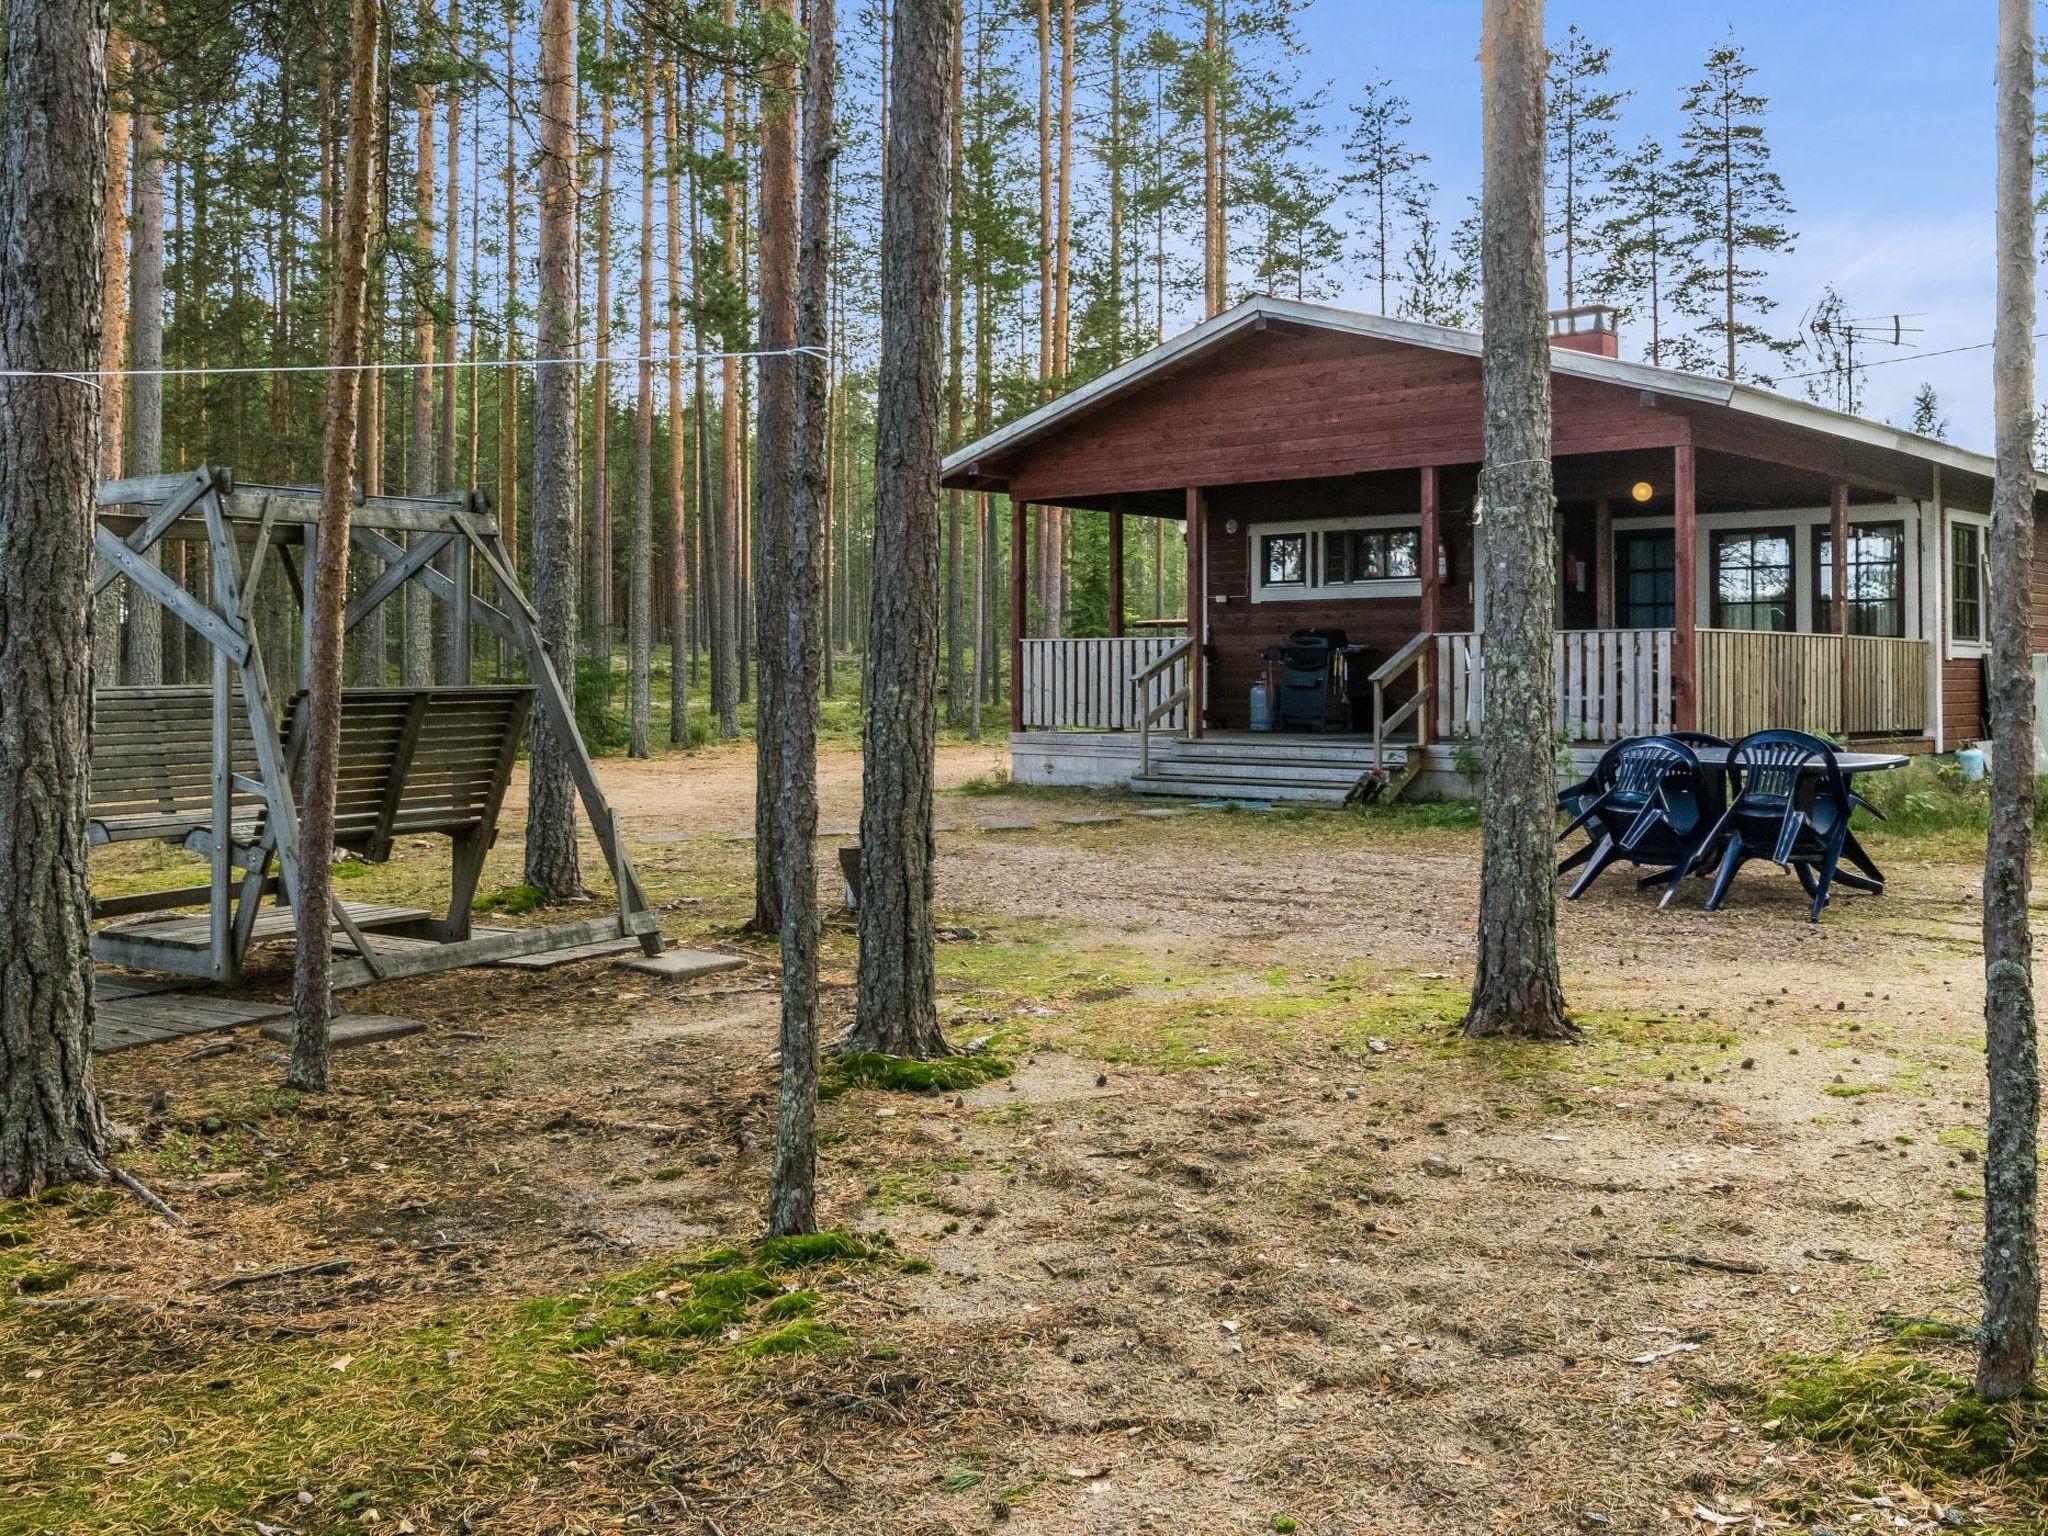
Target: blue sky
{"points": [[1880, 124]]}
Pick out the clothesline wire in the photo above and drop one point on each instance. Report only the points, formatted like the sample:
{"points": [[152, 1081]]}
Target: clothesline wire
{"points": [[92, 375]]}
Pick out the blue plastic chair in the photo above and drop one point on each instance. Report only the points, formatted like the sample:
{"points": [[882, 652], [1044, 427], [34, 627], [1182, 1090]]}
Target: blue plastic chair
{"points": [[1646, 803], [1789, 802]]}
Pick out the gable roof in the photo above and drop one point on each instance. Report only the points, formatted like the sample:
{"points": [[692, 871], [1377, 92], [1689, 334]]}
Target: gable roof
{"points": [[1262, 310]]}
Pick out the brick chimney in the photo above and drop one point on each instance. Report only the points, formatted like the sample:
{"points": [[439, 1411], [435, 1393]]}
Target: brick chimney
{"points": [[1589, 328]]}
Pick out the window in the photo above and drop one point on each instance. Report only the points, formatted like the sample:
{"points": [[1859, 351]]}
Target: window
{"points": [[1753, 579], [1877, 580], [1370, 554], [1966, 583], [1284, 558], [1648, 590]]}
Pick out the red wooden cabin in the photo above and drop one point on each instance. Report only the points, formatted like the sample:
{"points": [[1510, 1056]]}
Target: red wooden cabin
{"points": [[1324, 465]]}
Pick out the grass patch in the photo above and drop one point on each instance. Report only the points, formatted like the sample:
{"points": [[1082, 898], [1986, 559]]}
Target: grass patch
{"points": [[1916, 1420], [805, 1336], [511, 901], [907, 1074]]}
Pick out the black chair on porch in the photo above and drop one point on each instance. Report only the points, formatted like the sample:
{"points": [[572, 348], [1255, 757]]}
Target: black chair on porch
{"points": [[1790, 802], [1647, 802]]}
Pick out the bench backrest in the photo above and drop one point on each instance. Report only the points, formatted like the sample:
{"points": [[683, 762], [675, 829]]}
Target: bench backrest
{"points": [[416, 760], [152, 752]]}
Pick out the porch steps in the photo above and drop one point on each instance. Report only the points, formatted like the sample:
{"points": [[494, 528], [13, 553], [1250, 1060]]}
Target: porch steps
{"points": [[1299, 772]]}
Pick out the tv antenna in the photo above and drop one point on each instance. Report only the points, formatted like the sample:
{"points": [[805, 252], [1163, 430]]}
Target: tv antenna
{"points": [[1835, 337]]}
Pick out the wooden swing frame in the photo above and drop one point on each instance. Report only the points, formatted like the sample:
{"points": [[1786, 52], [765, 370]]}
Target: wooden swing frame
{"points": [[242, 528]]}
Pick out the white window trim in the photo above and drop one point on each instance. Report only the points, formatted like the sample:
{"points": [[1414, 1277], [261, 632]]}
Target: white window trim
{"points": [[1801, 520], [1315, 589], [1956, 645]]}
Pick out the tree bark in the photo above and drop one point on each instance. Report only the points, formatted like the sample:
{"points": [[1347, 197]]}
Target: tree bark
{"points": [[1516, 989], [957, 702], [792, 1200], [551, 859], [597, 525], [508, 376], [448, 650], [114, 301], [416, 644], [146, 354], [897, 1007], [725, 541], [2008, 1341], [53, 143], [775, 458], [640, 597], [312, 982], [678, 456]]}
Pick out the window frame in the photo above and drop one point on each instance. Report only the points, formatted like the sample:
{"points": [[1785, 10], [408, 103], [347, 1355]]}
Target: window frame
{"points": [[1823, 571], [1315, 586], [1263, 547], [1717, 606], [1978, 531]]}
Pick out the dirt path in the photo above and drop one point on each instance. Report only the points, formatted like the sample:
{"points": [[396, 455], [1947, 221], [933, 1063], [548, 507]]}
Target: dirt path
{"points": [[1250, 1242]]}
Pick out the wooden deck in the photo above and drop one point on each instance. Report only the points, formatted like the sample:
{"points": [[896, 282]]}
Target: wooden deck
{"points": [[195, 932], [128, 1016]]}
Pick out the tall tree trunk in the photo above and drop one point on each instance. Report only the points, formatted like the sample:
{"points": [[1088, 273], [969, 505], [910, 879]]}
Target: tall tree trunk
{"points": [[312, 982], [640, 597], [416, 645], [678, 458], [114, 304], [1063, 256], [792, 1198], [897, 1009], [597, 525], [1045, 203], [725, 661], [957, 710], [53, 143], [146, 357], [369, 644], [1215, 245], [2008, 1341], [775, 460], [551, 861], [508, 375], [1516, 989], [447, 651]]}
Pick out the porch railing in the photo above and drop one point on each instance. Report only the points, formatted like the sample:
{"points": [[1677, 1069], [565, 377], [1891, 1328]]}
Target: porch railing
{"points": [[1103, 684], [1610, 683], [1834, 685]]}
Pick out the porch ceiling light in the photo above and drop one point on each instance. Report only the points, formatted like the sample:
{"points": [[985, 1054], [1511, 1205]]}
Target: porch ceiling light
{"points": [[1642, 490]]}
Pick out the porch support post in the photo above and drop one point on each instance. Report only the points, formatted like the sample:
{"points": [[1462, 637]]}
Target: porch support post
{"points": [[1198, 607], [1432, 555], [1020, 560], [1116, 574], [1934, 607], [1685, 599], [1838, 583], [1603, 564]]}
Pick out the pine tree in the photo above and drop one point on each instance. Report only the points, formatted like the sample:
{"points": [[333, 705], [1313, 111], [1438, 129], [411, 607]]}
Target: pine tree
{"points": [[1735, 210], [1643, 256], [1580, 117], [1385, 176], [1927, 420]]}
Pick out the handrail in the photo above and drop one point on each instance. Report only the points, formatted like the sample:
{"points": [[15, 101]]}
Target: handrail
{"points": [[1181, 697], [1398, 662], [1173, 654], [1411, 656]]}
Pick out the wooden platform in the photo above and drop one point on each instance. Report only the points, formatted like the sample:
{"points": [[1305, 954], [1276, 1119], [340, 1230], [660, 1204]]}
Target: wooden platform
{"points": [[195, 933], [548, 959], [123, 1022], [351, 1029]]}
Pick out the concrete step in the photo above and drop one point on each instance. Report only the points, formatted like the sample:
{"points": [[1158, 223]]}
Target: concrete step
{"points": [[1296, 791], [1345, 773]]}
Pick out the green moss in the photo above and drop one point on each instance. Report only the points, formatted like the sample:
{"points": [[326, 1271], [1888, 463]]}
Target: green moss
{"points": [[1284, 1523], [41, 1279], [805, 1248], [805, 1336], [1852, 1090], [944, 1074], [511, 901], [791, 1304], [1917, 1421], [1918, 1330]]}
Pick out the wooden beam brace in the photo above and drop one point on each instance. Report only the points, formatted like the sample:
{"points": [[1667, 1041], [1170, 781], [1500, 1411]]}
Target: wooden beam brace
{"points": [[226, 637], [152, 527], [397, 572], [440, 586], [142, 490], [494, 946]]}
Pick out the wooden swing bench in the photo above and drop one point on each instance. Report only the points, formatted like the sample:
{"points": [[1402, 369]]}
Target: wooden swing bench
{"points": [[186, 766]]}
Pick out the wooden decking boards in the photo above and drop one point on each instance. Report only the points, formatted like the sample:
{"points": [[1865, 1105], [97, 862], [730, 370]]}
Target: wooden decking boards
{"points": [[122, 1022], [273, 923]]}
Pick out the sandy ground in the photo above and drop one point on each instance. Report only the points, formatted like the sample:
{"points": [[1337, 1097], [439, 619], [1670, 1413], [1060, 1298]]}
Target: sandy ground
{"points": [[1249, 1243]]}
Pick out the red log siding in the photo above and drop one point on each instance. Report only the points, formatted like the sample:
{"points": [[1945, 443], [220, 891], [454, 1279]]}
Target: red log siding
{"points": [[1962, 700], [1240, 630], [1279, 406]]}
